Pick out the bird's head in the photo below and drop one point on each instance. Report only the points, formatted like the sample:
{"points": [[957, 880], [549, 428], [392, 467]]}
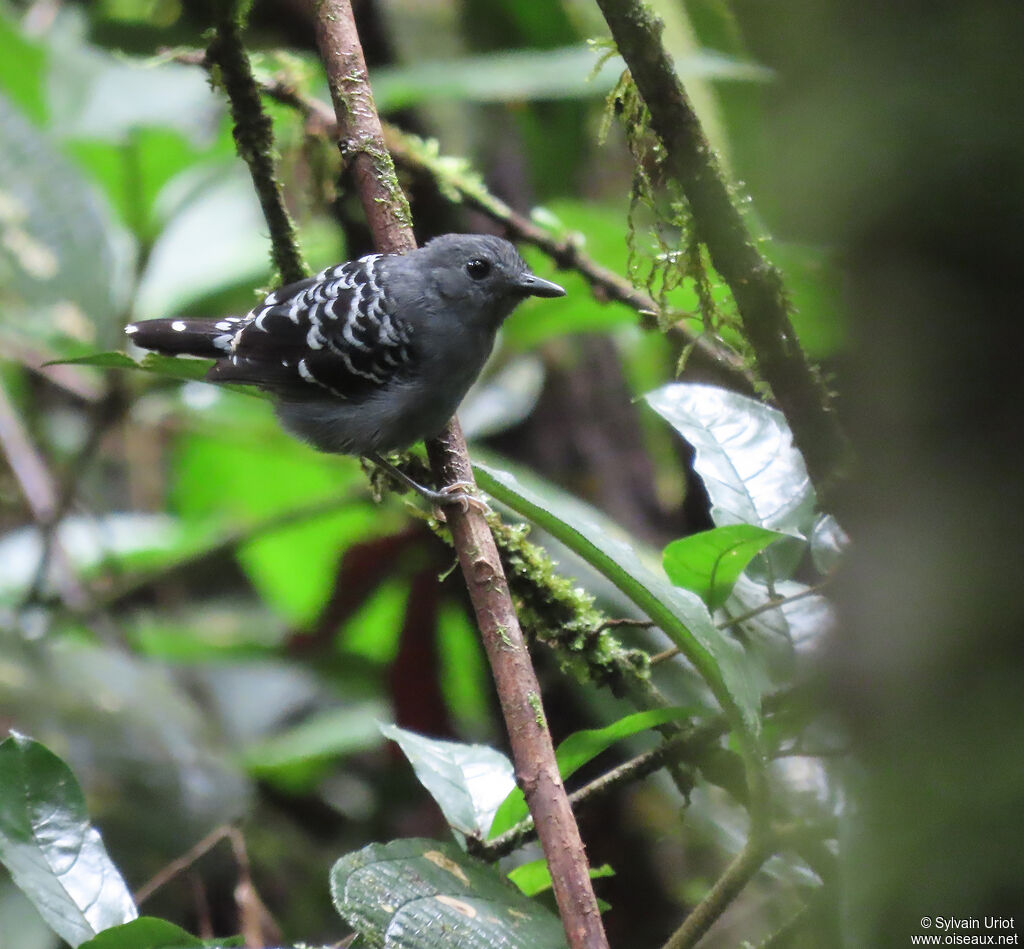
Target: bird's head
{"points": [[482, 276]]}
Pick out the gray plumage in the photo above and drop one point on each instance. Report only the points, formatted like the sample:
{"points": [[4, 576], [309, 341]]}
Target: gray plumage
{"points": [[371, 355]]}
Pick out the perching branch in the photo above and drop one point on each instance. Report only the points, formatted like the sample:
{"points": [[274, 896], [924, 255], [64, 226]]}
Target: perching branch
{"points": [[755, 283], [387, 214]]}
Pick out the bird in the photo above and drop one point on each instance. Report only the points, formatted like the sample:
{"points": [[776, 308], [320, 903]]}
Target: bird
{"points": [[369, 356]]}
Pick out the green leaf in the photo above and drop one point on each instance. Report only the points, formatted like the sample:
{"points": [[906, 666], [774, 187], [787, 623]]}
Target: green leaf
{"points": [[709, 563], [293, 567], [535, 877], [515, 75], [22, 70], [744, 454], [467, 781], [290, 757], [146, 932], [186, 369], [52, 851], [63, 262], [421, 894], [580, 748], [682, 615]]}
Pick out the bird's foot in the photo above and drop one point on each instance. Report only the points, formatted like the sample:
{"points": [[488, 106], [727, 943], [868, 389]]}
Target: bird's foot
{"points": [[464, 493]]}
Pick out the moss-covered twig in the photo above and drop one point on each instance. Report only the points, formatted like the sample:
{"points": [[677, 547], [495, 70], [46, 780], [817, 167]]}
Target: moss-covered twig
{"points": [[254, 139], [387, 214], [756, 285]]}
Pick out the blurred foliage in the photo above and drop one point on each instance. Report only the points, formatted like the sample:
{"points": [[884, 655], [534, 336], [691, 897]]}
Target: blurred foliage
{"points": [[210, 624]]}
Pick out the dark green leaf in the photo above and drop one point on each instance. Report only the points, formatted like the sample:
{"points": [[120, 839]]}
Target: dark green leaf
{"points": [[467, 781], [52, 851], [580, 748], [146, 932], [288, 756], [62, 260], [190, 370], [421, 894], [563, 73], [709, 563], [680, 614]]}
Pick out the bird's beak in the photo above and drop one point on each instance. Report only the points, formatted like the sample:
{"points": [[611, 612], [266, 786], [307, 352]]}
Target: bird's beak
{"points": [[531, 285]]}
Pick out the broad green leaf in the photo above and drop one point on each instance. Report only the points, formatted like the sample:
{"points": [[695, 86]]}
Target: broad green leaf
{"points": [[515, 75], [744, 454], [290, 757], [467, 781], [294, 566], [681, 615], [580, 748], [421, 894], [63, 263], [146, 932], [535, 877], [52, 851], [133, 731], [709, 563]]}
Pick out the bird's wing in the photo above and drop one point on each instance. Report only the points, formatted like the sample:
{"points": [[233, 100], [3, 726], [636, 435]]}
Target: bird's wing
{"points": [[336, 333]]}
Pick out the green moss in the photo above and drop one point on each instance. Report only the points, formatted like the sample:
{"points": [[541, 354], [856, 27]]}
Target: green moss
{"points": [[538, 709]]}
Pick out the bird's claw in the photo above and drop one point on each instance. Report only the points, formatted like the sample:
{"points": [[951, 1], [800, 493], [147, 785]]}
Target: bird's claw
{"points": [[463, 493]]}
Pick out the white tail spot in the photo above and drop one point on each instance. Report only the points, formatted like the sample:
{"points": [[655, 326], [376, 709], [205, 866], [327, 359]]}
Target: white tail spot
{"points": [[131, 328], [179, 326]]}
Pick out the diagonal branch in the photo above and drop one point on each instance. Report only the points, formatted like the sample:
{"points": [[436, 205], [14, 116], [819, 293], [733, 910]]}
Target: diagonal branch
{"points": [[387, 214], [254, 140], [756, 285]]}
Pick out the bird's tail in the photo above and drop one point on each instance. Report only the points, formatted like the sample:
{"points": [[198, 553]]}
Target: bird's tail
{"points": [[208, 338]]}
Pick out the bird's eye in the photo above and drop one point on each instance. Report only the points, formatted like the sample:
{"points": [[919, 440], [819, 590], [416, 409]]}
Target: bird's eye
{"points": [[478, 268]]}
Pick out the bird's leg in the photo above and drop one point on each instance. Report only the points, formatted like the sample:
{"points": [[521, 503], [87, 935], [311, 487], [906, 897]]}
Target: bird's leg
{"points": [[457, 493]]}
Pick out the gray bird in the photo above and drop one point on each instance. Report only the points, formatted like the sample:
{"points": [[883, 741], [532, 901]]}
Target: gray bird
{"points": [[372, 355]]}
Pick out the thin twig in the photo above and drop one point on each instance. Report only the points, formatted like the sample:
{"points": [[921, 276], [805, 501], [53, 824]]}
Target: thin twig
{"points": [[756, 285], [636, 768], [182, 863], [728, 886], [773, 604], [387, 214], [103, 414], [227, 543], [41, 493]]}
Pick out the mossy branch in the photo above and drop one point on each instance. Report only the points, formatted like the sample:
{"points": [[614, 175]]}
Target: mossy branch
{"points": [[254, 139], [387, 214], [756, 285]]}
